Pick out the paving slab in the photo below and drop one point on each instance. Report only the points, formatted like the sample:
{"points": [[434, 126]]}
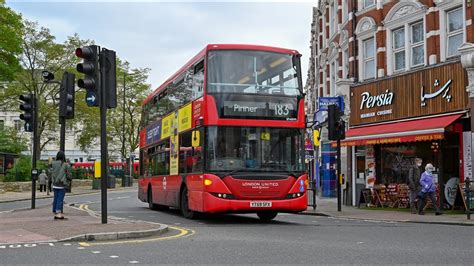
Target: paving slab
{"points": [[32, 225], [328, 207]]}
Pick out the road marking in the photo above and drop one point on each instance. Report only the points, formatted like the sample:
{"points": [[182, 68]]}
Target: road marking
{"points": [[26, 245], [183, 232], [68, 244], [96, 252], [133, 262], [114, 256], [80, 247]]}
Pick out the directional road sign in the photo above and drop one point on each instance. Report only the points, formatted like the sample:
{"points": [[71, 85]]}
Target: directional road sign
{"points": [[91, 99]]}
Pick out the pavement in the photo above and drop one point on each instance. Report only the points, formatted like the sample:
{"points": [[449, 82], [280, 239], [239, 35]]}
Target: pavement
{"points": [[26, 195], [328, 207], [82, 224]]}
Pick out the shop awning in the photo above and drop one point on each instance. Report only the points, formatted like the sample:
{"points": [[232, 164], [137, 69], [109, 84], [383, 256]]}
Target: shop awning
{"points": [[426, 129]]}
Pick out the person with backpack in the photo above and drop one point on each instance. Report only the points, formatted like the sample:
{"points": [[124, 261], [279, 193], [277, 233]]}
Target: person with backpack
{"points": [[414, 176], [60, 182]]}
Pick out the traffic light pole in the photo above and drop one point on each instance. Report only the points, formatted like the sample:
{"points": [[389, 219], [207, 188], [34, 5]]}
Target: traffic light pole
{"points": [[62, 135], [338, 174], [103, 139], [35, 145]]}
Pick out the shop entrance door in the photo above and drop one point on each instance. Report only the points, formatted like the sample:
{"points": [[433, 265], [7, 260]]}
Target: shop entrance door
{"points": [[360, 175]]}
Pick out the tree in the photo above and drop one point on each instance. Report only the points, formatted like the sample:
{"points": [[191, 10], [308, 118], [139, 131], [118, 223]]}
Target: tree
{"points": [[41, 52], [10, 42], [88, 126], [11, 141]]}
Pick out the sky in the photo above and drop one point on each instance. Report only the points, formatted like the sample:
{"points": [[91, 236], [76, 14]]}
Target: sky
{"points": [[163, 36]]}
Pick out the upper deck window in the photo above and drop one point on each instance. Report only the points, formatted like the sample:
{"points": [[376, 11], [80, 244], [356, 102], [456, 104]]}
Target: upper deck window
{"points": [[252, 72]]}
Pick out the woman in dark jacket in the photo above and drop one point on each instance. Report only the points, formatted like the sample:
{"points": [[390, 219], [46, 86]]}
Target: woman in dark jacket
{"points": [[60, 182]]}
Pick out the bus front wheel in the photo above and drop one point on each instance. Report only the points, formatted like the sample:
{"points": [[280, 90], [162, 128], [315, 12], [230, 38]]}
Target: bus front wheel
{"points": [[153, 206], [266, 216], [185, 211]]}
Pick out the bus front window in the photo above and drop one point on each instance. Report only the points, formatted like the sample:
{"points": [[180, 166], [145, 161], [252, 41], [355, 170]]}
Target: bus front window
{"points": [[254, 149], [252, 72]]}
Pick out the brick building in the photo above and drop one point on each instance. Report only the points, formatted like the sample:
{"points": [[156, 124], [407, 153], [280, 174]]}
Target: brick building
{"points": [[405, 71]]}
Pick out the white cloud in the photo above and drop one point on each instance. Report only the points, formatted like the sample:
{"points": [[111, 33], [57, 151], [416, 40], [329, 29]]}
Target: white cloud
{"points": [[163, 36]]}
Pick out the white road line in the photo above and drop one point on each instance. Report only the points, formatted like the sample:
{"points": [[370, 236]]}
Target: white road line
{"points": [[96, 252], [133, 262], [68, 244], [114, 256], [81, 248]]}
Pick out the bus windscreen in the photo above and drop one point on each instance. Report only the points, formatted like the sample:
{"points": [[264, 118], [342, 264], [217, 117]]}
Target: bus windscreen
{"points": [[252, 72]]}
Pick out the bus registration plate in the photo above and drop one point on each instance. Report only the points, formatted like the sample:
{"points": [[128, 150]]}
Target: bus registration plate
{"points": [[260, 204]]}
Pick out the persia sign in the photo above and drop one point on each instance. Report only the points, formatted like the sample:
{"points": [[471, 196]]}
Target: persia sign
{"points": [[426, 92]]}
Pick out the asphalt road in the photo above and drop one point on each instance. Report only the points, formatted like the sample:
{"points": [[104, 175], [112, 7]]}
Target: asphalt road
{"points": [[243, 239]]}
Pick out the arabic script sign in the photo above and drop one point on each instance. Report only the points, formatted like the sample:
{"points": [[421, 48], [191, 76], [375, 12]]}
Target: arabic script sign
{"points": [[426, 92]]}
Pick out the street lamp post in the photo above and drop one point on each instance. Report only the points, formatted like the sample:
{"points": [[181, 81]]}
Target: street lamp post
{"points": [[123, 121]]}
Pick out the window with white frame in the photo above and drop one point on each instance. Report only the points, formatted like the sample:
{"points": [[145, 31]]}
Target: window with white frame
{"points": [[369, 58], [417, 44], [454, 31], [411, 53], [17, 124], [333, 78], [367, 3], [333, 18], [345, 11], [345, 63], [398, 44]]}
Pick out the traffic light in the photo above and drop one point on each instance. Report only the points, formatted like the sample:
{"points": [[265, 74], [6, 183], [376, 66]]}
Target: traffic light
{"points": [[90, 68], [108, 67], [333, 118], [66, 96], [28, 106]]}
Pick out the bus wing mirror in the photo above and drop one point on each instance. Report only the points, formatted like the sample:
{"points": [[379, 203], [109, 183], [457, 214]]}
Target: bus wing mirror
{"points": [[196, 138]]}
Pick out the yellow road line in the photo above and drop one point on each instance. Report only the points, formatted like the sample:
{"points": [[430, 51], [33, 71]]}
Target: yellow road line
{"points": [[182, 233]]}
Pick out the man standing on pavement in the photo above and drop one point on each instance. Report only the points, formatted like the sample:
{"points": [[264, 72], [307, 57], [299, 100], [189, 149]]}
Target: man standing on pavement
{"points": [[428, 189], [43, 179], [414, 182]]}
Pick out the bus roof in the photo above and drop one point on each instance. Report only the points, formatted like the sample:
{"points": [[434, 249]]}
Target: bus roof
{"points": [[209, 47]]}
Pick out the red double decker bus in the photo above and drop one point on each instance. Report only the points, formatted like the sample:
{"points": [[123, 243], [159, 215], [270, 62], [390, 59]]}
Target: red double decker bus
{"points": [[225, 134]]}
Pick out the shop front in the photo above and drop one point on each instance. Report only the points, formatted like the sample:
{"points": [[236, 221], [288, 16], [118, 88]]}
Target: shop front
{"points": [[423, 114]]}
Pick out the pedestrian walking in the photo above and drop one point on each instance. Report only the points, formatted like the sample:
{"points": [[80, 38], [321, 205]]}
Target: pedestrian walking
{"points": [[60, 183], [43, 181], [428, 189], [414, 176]]}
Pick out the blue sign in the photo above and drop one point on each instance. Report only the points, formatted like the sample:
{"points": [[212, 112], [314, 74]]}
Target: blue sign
{"points": [[91, 99], [153, 133], [323, 103]]}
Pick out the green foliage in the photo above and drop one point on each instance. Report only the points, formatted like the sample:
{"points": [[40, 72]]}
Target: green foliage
{"points": [[136, 90], [21, 171], [10, 42], [11, 141], [40, 52]]}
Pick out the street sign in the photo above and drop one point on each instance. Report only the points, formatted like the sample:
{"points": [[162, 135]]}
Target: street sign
{"points": [[323, 103], [91, 99], [320, 117], [97, 169]]}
